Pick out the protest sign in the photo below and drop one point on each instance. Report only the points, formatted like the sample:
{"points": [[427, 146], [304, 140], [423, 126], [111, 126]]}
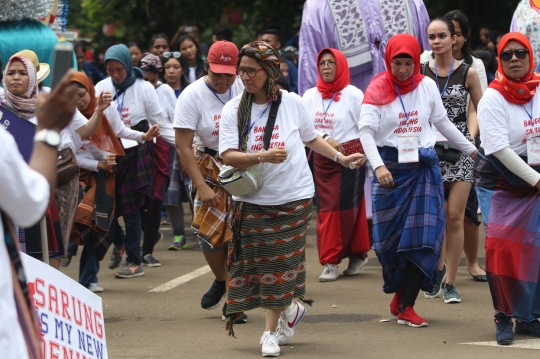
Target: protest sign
{"points": [[70, 316], [22, 130]]}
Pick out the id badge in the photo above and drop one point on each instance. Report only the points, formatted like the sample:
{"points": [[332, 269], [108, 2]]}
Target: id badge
{"points": [[533, 150], [407, 149]]}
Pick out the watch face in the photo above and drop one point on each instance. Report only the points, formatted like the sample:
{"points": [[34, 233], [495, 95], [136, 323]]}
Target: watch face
{"points": [[53, 138]]}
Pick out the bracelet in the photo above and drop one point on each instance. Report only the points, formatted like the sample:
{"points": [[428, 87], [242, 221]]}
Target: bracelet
{"points": [[260, 161], [326, 137], [336, 156]]}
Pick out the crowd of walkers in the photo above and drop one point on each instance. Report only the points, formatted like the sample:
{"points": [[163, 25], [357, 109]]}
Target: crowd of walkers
{"points": [[157, 129]]}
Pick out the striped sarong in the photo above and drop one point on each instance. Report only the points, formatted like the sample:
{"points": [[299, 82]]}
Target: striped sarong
{"points": [[135, 176], [408, 219], [511, 216], [212, 224], [268, 263], [342, 228]]}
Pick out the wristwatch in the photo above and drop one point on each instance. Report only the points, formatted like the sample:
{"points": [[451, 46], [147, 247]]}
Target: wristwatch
{"points": [[49, 137]]}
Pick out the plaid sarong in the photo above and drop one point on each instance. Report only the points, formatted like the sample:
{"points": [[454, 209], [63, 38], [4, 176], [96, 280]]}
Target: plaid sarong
{"points": [[342, 228], [135, 176], [408, 219], [95, 211], [164, 154], [511, 214], [268, 263], [212, 224]]}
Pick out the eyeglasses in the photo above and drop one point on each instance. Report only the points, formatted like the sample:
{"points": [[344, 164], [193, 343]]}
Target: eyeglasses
{"points": [[82, 95], [520, 54], [331, 64], [175, 54], [250, 71]]}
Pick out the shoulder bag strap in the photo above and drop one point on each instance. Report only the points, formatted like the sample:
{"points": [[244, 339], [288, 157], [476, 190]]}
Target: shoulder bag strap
{"points": [[270, 124]]}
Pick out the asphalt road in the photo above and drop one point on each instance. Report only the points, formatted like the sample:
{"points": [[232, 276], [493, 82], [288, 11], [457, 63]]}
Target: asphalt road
{"points": [[345, 321]]}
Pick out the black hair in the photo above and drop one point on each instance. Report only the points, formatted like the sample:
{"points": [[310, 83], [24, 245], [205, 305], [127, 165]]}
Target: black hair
{"points": [[136, 44], [192, 39], [184, 82], [402, 56], [448, 23], [223, 33], [281, 80], [274, 32], [154, 38], [79, 45], [461, 18], [493, 35]]}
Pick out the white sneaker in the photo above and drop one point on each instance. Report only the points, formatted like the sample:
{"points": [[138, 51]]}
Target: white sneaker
{"points": [[355, 264], [270, 347], [330, 273], [288, 321], [95, 288]]}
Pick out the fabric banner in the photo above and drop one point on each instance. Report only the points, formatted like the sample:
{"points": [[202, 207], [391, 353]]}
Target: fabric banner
{"points": [[22, 130], [70, 316]]}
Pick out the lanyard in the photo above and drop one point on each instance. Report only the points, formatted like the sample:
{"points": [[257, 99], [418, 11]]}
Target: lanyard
{"points": [[120, 107], [215, 94], [529, 114], [402, 104], [447, 79], [327, 107], [261, 115]]}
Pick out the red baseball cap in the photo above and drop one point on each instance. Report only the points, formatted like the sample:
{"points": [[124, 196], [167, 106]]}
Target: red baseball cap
{"points": [[223, 57]]}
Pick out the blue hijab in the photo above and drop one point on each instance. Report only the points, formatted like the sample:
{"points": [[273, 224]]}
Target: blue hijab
{"points": [[121, 54]]}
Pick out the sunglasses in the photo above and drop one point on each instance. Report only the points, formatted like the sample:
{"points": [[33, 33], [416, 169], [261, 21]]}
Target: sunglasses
{"points": [[520, 54], [175, 54]]}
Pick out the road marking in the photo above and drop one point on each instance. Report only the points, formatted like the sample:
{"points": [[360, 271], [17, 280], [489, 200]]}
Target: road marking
{"points": [[181, 280], [518, 344]]}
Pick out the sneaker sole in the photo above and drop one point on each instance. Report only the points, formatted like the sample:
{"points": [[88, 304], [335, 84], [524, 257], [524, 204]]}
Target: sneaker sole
{"points": [[328, 279], [406, 322], [270, 355], [345, 273], [173, 248], [505, 342], [129, 275], [215, 306], [97, 291], [452, 300], [152, 265]]}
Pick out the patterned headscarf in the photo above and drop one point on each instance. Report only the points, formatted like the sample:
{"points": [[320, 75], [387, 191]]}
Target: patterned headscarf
{"points": [[151, 63], [268, 58], [26, 103]]}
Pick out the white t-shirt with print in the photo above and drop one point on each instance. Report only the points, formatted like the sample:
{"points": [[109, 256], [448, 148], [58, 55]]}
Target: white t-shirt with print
{"points": [[66, 135], [337, 119], [167, 99], [138, 103], [199, 109], [422, 108], [284, 182], [504, 124]]}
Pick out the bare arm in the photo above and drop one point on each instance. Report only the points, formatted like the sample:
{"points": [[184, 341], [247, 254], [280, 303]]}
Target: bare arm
{"points": [[104, 101], [472, 121], [323, 148], [474, 87], [239, 159]]}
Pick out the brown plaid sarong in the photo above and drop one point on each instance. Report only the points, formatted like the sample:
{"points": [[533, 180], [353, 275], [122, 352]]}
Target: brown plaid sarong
{"points": [[212, 224]]}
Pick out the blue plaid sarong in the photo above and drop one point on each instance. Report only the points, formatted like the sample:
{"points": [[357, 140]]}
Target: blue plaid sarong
{"points": [[408, 219]]}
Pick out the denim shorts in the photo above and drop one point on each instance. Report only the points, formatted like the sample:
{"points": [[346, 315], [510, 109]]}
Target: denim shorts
{"points": [[208, 248]]}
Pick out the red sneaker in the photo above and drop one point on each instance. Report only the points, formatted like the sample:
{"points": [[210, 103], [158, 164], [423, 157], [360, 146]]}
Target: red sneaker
{"points": [[396, 303], [410, 318]]}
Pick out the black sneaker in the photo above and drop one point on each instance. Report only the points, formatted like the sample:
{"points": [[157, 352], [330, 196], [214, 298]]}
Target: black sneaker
{"points": [[214, 296], [504, 332], [528, 328], [150, 261], [241, 320]]}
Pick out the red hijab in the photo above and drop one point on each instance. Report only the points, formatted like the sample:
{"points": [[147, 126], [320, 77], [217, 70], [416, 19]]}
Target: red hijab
{"points": [[516, 91], [342, 79], [104, 137], [381, 90]]}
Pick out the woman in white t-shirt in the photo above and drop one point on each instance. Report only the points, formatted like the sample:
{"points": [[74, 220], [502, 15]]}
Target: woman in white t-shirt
{"points": [[342, 228], [508, 182], [408, 202], [197, 120], [269, 226], [138, 104], [21, 90]]}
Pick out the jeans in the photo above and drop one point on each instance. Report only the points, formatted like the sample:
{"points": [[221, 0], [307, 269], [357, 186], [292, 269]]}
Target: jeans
{"points": [[132, 237], [88, 265], [151, 221]]}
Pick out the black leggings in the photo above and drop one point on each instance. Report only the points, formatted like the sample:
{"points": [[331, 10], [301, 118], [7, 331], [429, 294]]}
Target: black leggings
{"points": [[413, 281], [151, 220]]}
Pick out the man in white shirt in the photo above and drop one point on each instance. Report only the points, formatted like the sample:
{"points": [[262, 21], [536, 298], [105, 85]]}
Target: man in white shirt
{"points": [[25, 190]]}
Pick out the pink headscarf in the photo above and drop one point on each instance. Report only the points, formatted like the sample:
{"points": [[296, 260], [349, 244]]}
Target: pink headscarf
{"points": [[26, 103]]}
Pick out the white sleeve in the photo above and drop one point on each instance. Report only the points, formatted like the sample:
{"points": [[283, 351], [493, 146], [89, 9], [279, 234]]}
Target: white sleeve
{"points": [[88, 164], [118, 127], [24, 193], [156, 115], [228, 128], [516, 164], [492, 122], [77, 121], [307, 98], [453, 135], [370, 148], [168, 101], [478, 65], [370, 118], [306, 125], [187, 111]]}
